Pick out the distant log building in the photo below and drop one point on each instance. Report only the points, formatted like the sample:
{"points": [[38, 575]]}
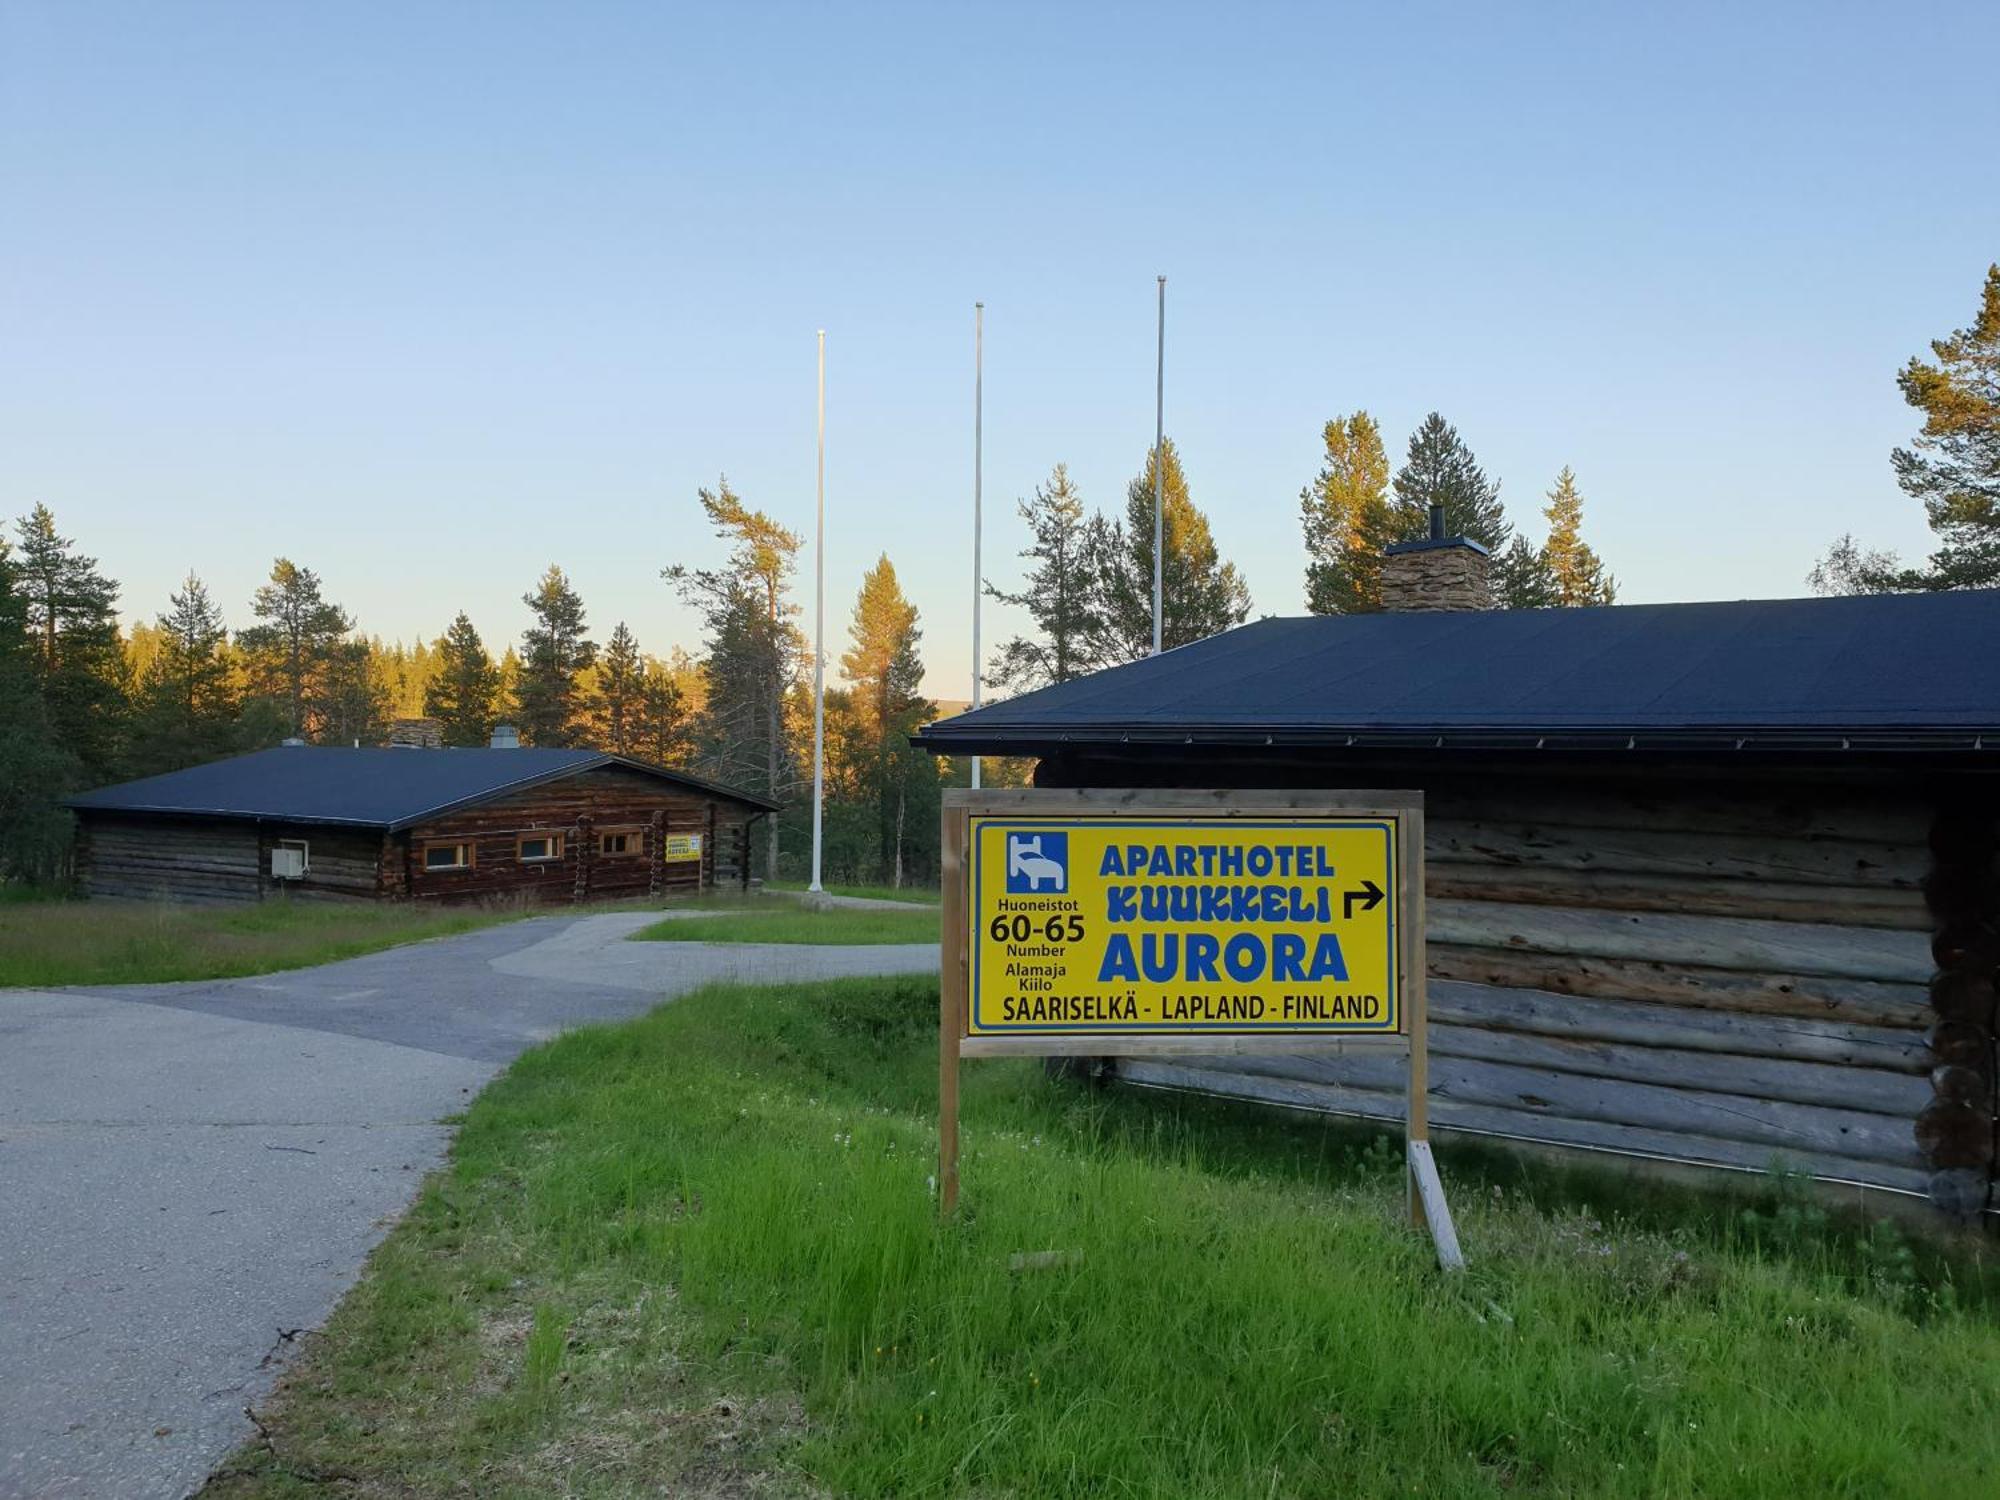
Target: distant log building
{"points": [[417, 824], [1710, 883]]}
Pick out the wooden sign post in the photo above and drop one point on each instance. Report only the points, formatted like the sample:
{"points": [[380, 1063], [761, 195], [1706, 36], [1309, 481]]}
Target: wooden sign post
{"points": [[1093, 923]]}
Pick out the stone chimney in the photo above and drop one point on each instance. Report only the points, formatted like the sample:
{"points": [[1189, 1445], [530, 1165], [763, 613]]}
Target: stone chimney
{"points": [[1439, 572], [416, 734]]}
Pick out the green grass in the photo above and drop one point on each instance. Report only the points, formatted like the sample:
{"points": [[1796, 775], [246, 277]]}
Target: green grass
{"points": [[915, 895], [759, 921], [696, 1254], [115, 942]]}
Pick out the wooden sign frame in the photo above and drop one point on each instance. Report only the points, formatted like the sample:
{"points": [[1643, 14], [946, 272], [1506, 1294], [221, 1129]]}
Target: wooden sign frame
{"points": [[1426, 1201]]}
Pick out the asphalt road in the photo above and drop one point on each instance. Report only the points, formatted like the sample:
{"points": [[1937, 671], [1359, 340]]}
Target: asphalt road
{"points": [[192, 1173]]}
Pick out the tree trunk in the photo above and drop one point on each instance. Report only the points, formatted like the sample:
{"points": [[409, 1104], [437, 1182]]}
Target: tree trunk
{"points": [[902, 801], [771, 776]]}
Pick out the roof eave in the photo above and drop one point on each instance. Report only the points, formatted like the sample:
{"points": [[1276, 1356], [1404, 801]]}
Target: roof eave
{"points": [[1746, 737]]}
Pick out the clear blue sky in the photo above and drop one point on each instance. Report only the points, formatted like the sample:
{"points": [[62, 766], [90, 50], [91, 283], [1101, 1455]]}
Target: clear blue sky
{"points": [[427, 296]]}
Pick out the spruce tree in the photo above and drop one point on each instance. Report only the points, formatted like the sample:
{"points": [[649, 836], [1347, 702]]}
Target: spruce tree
{"points": [[887, 673], [1521, 577], [1575, 572], [1202, 595], [1062, 593], [553, 651], [621, 681], [1440, 470], [1347, 519], [35, 769], [290, 656], [71, 623], [661, 731], [464, 690], [188, 704]]}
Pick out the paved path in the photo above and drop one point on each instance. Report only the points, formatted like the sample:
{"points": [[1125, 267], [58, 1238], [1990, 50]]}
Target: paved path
{"points": [[189, 1173]]}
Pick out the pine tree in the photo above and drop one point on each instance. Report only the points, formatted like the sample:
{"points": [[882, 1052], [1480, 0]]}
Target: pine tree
{"points": [[1440, 470], [188, 703], [35, 769], [1952, 466], [754, 651], [290, 656], [1347, 519], [888, 675], [72, 624], [1062, 593], [1576, 573], [621, 681], [1202, 595], [553, 651], [464, 690]]}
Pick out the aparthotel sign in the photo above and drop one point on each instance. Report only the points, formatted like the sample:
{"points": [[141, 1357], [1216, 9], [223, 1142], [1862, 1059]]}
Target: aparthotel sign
{"points": [[1158, 923]]}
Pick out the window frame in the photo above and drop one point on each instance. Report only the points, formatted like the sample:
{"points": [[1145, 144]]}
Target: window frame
{"points": [[633, 833], [466, 847], [557, 841]]}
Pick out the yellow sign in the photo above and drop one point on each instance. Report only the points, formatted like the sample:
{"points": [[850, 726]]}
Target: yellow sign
{"points": [[1172, 923], [682, 846]]}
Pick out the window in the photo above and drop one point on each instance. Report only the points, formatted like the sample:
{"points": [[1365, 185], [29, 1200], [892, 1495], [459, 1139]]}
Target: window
{"points": [[536, 846], [447, 856], [622, 841]]}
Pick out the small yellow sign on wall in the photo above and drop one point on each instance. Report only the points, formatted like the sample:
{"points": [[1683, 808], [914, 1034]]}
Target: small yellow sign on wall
{"points": [[1179, 924], [681, 846]]}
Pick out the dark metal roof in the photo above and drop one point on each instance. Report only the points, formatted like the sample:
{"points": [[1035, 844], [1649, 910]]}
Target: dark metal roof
{"points": [[1884, 672], [388, 789]]}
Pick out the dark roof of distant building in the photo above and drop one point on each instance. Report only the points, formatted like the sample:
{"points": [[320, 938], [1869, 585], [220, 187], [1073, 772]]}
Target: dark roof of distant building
{"points": [[1892, 672], [389, 789]]}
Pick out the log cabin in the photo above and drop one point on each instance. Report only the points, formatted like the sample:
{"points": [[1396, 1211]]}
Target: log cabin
{"points": [[1708, 884], [405, 823]]}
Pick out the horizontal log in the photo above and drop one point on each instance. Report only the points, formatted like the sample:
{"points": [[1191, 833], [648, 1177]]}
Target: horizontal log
{"points": [[1459, 1115], [1855, 906], [1791, 1079], [1542, 1012], [1771, 1123], [1821, 817], [1708, 856], [1872, 1002], [1736, 943]]}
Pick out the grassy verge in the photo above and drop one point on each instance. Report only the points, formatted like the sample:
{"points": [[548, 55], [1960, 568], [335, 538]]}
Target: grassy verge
{"points": [[761, 922], [914, 895], [696, 1255], [109, 942]]}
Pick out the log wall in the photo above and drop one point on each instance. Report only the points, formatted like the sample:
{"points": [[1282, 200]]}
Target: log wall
{"points": [[158, 860], [1727, 974], [220, 860], [580, 809]]}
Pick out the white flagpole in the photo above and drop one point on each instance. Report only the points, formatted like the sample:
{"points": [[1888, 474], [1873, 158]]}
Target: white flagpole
{"points": [[1159, 477], [978, 476], [819, 625]]}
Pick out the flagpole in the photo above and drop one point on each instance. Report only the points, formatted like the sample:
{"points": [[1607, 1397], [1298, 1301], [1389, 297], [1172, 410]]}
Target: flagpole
{"points": [[978, 477], [819, 626], [1159, 477]]}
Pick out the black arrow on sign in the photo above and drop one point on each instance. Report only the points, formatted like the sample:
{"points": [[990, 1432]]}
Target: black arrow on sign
{"points": [[1370, 897]]}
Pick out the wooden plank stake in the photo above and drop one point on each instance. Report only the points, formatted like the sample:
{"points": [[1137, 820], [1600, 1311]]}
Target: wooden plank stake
{"points": [[952, 974]]}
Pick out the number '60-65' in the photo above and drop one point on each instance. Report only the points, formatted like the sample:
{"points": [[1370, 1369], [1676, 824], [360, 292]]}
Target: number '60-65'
{"points": [[1020, 928]]}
